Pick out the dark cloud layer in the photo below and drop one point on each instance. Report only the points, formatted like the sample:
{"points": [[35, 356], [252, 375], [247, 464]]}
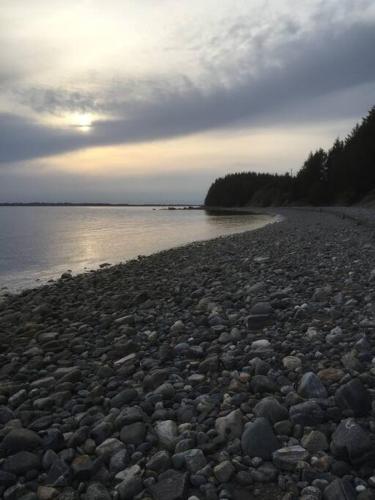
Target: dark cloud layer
{"points": [[314, 67]]}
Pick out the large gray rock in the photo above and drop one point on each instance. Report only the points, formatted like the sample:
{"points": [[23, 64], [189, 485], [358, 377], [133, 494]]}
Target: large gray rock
{"points": [[354, 396], [20, 440], [310, 386], [230, 426], [21, 462], [271, 409], [287, 458], [172, 485], [166, 432], [307, 413], [315, 441], [194, 459], [339, 489], [259, 440], [351, 441]]}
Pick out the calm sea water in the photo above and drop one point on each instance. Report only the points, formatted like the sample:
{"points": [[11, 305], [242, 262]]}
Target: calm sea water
{"points": [[40, 243]]}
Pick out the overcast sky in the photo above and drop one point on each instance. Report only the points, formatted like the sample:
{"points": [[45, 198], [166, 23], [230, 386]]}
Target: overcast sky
{"points": [[151, 100]]}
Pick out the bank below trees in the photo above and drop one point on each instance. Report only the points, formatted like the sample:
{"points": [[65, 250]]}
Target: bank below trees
{"points": [[343, 175]]}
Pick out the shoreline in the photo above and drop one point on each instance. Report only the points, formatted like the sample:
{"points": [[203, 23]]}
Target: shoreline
{"points": [[241, 364], [53, 277]]}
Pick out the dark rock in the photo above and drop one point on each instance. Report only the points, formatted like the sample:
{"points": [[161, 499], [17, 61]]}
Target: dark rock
{"points": [[271, 409], [354, 396], [351, 441], [289, 457], [230, 426], [159, 462], [311, 387], [339, 489], [124, 398], [171, 485], [133, 433], [20, 440], [261, 384], [307, 413], [259, 440], [21, 462], [97, 491]]}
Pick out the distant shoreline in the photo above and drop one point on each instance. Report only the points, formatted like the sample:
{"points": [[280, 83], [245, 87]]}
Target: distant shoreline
{"points": [[68, 204]]}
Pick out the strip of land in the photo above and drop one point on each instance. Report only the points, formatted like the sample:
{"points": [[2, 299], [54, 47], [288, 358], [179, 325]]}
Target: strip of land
{"points": [[241, 367]]}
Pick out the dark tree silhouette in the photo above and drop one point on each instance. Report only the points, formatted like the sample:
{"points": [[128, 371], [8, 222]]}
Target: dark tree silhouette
{"points": [[343, 175]]}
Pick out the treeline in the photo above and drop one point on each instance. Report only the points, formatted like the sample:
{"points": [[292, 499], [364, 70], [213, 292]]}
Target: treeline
{"points": [[343, 175]]}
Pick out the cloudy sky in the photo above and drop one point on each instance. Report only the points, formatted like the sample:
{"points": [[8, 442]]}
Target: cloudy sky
{"points": [[151, 100]]}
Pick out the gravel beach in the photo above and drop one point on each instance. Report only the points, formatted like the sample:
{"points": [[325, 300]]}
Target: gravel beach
{"points": [[237, 368]]}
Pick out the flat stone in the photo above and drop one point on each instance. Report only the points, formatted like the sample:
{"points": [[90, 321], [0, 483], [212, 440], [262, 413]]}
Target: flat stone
{"points": [[331, 375], [292, 362], [287, 458]]}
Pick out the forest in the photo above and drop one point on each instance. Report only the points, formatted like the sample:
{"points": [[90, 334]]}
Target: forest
{"points": [[343, 175]]}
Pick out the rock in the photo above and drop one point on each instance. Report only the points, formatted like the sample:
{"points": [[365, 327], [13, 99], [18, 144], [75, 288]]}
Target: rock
{"points": [[21, 462], [230, 426], [47, 493], [354, 396], [271, 409], [133, 433], [351, 362], [83, 467], [287, 458], [20, 440], [331, 375], [351, 441], [224, 471], [177, 327], [339, 489], [194, 460], [292, 363], [124, 398], [261, 345], [166, 432], [311, 387], [307, 413], [109, 447], [262, 383], [130, 487], [6, 414], [59, 474], [171, 485], [154, 379], [97, 491], [159, 462], [315, 441], [259, 440], [334, 336]]}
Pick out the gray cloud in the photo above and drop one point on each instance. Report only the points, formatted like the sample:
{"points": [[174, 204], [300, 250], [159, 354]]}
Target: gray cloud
{"points": [[309, 67]]}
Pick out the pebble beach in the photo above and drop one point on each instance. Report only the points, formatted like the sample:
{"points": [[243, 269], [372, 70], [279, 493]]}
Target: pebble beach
{"points": [[230, 369]]}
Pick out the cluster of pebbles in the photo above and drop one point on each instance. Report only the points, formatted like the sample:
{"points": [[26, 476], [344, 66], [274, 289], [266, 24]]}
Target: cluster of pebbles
{"points": [[237, 368]]}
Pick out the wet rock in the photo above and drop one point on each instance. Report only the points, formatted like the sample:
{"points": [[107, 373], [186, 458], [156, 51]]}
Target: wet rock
{"points": [[351, 441]]}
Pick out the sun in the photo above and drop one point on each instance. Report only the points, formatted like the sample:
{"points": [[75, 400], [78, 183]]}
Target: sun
{"points": [[83, 121]]}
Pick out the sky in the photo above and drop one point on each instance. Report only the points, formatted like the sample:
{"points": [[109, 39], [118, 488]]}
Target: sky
{"points": [[137, 101]]}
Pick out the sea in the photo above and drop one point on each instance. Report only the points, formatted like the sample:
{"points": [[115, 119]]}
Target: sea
{"points": [[39, 243]]}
